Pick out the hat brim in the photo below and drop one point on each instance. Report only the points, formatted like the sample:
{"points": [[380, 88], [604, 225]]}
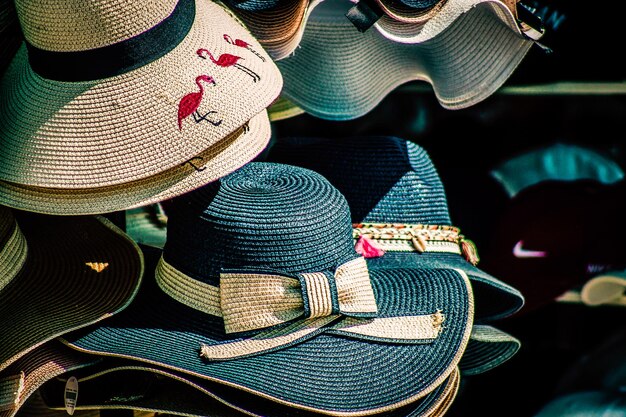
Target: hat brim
{"points": [[91, 134], [465, 61], [488, 348], [283, 109], [327, 373], [411, 12], [132, 385], [228, 155], [279, 29], [493, 299], [20, 380], [57, 291]]}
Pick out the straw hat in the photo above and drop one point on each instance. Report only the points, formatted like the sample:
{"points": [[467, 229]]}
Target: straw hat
{"points": [[166, 184], [28, 373], [147, 225], [465, 57], [10, 33], [283, 109], [488, 348], [410, 25], [392, 181], [125, 384], [36, 407], [210, 313], [96, 98], [64, 274], [278, 28]]}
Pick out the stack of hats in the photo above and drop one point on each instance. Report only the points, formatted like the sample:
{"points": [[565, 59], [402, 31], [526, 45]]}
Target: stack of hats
{"points": [[327, 281], [400, 220]]}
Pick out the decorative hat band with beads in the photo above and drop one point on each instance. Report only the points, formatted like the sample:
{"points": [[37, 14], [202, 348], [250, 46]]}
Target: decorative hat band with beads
{"points": [[374, 239], [261, 300]]}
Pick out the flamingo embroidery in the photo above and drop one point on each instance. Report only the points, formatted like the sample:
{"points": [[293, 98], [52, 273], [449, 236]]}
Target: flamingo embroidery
{"points": [[228, 60], [189, 104], [242, 44]]}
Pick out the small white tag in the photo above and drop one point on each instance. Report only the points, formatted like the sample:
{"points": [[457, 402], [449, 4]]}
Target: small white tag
{"points": [[71, 395]]}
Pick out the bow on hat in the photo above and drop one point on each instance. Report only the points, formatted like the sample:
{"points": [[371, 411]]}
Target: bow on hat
{"points": [[251, 301]]}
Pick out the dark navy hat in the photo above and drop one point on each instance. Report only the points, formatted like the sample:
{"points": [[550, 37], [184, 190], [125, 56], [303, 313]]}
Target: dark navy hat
{"points": [[398, 203]]}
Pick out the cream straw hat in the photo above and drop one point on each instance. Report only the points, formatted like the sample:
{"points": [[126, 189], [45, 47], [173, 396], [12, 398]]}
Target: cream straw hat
{"points": [[465, 56], [108, 93]]}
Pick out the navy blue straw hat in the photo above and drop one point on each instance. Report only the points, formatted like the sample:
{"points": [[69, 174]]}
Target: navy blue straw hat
{"points": [[398, 203], [260, 288], [254, 5]]}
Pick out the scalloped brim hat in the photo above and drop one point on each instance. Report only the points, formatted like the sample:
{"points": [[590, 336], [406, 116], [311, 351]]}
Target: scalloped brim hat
{"points": [[465, 56], [398, 202], [60, 274], [113, 93], [409, 25], [25, 376], [259, 288], [279, 28]]}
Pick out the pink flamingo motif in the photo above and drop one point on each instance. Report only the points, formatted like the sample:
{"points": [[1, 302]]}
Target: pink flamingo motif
{"points": [[242, 44], [189, 104], [228, 60]]}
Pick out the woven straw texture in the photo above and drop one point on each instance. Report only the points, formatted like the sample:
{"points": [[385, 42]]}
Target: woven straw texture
{"points": [[36, 407], [130, 384], [279, 217], [411, 11], [283, 109], [390, 180], [488, 348], [10, 33], [466, 60], [279, 29], [41, 365], [88, 134], [78, 271], [254, 5], [227, 154]]}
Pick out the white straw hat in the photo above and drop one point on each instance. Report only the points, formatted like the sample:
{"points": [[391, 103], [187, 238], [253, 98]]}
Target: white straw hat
{"points": [[225, 156], [466, 58], [106, 93]]}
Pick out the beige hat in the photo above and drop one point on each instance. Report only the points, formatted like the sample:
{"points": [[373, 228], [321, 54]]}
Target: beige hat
{"points": [[466, 56], [110, 93], [278, 29], [198, 170]]}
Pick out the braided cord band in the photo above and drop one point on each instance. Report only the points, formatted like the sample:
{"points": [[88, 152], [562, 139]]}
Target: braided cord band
{"points": [[398, 237]]}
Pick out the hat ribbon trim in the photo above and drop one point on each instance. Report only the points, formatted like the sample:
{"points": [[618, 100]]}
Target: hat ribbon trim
{"points": [[11, 389], [398, 237], [414, 329], [12, 257], [118, 58], [251, 300]]}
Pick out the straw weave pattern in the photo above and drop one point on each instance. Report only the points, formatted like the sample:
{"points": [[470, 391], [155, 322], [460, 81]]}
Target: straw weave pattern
{"points": [[12, 256]]}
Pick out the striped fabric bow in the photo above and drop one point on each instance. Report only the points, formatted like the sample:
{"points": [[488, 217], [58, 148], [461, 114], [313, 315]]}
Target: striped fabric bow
{"points": [[251, 301]]}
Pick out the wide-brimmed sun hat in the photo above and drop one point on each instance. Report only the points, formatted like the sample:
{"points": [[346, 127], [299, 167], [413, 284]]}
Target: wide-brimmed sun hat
{"points": [[23, 377], [106, 94], [465, 57], [60, 274], [175, 181], [260, 288], [410, 25], [279, 28], [398, 202], [487, 349], [136, 386]]}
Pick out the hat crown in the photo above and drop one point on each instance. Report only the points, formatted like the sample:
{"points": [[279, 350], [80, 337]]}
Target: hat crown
{"points": [[261, 217], [79, 25], [384, 179]]}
